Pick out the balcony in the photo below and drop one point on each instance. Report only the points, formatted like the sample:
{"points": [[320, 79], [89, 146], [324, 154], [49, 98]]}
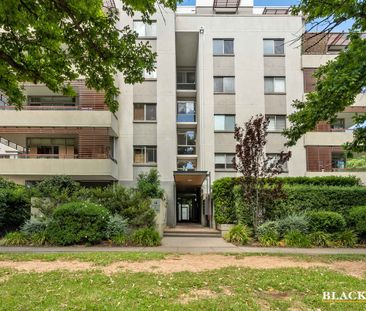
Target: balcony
{"points": [[186, 83]]}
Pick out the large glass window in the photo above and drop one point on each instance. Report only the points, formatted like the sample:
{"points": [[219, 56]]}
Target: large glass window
{"points": [[186, 111], [274, 46], [186, 80], [224, 160], [187, 164], [338, 160], [224, 123], [187, 141], [224, 84], [223, 46], [274, 85], [277, 123], [43, 147], [144, 154], [338, 125], [52, 101], [144, 112], [145, 30]]}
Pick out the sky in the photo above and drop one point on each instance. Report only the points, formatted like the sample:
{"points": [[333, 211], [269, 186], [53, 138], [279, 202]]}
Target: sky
{"points": [[342, 27]]}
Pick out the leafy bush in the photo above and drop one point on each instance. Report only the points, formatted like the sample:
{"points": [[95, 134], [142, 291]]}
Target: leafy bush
{"points": [[239, 234], [242, 211], [359, 162], [357, 220], [116, 226], [325, 221], [78, 222], [320, 239], [345, 238], [32, 226], [269, 239], [346, 181], [14, 239], [291, 223], [14, 208], [38, 238], [296, 239], [268, 228], [146, 237], [7, 184], [148, 184], [119, 240], [56, 185], [223, 195]]}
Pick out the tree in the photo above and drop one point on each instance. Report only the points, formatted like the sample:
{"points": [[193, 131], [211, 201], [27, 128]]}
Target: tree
{"points": [[256, 168], [148, 184], [56, 41], [338, 81]]}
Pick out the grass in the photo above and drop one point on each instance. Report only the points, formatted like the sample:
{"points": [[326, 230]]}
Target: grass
{"points": [[231, 288]]}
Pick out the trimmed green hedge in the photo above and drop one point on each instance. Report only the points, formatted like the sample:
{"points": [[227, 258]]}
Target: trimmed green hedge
{"points": [[300, 198], [340, 181]]}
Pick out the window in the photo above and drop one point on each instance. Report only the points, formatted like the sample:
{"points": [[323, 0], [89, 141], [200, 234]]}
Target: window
{"points": [[224, 84], [223, 47], [224, 123], [338, 125], [186, 80], [144, 154], [150, 75], [273, 46], [52, 101], [187, 164], [271, 157], [338, 160], [186, 111], [274, 85], [224, 160], [276, 123], [145, 30], [144, 112], [187, 142]]}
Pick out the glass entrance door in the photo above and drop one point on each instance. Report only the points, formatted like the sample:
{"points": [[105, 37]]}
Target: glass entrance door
{"points": [[188, 207]]}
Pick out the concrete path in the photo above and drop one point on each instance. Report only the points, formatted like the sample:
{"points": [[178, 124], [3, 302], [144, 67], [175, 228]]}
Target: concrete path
{"points": [[188, 245]]}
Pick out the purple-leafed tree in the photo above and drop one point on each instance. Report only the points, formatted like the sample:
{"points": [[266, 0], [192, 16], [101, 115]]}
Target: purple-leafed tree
{"points": [[257, 168]]}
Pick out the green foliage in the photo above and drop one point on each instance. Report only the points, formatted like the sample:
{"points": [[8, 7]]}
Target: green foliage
{"points": [[341, 181], [14, 239], [269, 239], [125, 202], [78, 222], [223, 195], [296, 239], [54, 186], [7, 184], [329, 222], [320, 239], [269, 228], [119, 240], [33, 46], [146, 237], [148, 184], [242, 211], [357, 220], [33, 226], [359, 162], [338, 81], [38, 238], [292, 223], [117, 226], [346, 238], [239, 234], [14, 208]]}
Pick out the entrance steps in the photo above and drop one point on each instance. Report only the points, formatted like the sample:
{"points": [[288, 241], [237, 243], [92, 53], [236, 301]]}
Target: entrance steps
{"points": [[191, 231]]}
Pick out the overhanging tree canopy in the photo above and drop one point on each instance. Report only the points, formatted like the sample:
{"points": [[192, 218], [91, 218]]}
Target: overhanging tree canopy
{"points": [[56, 41]]}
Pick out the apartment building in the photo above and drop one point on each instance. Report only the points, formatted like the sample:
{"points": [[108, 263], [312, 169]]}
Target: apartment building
{"points": [[218, 64]]}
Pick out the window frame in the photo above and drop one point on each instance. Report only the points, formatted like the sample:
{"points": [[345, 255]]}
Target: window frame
{"points": [[223, 84], [187, 145], [225, 129], [273, 79], [226, 155], [274, 47], [189, 115], [276, 130], [223, 40], [153, 22], [144, 153], [144, 120]]}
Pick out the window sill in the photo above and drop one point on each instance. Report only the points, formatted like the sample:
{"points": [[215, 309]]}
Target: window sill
{"points": [[225, 170], [274, 55], [145, 164], [223, 131], [273, 93], [145, 121], [223, 93], [225, 55], [150, 79], [147, 38]]}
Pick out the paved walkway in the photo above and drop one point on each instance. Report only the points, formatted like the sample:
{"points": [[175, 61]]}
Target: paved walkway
{"points": [[188, 245]]}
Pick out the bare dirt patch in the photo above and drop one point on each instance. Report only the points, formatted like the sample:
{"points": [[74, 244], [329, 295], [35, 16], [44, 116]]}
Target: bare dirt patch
{"points": [[189, 263], [198, 294]]}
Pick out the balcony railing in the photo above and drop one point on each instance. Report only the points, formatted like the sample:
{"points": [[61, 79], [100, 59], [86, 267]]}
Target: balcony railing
{"points": [[10, 144], [186, 86], [184, 117], [186, 150], [61, 156]]}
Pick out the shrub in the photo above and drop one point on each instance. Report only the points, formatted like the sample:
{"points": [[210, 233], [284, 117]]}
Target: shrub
{"points": [[269, 239], [268, 228], [148, 184], [296, 239], [14, 239], [38, 238], [78, 222], [222, 191], [56, 185], [32, 226], [320, 238], [325, 221], [345, 238], [291, 223], [346, 181], [357, 220], [14, 208], [146, 237], [239, 234], [116, 226], [119, 240], [242, 211]]}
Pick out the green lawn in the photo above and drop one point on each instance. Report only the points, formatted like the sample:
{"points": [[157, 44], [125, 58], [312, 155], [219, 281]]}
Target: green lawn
{"points": [[223, 289]]}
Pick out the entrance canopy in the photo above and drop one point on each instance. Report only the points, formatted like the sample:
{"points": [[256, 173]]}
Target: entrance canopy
{"points": [[188, 181]]}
